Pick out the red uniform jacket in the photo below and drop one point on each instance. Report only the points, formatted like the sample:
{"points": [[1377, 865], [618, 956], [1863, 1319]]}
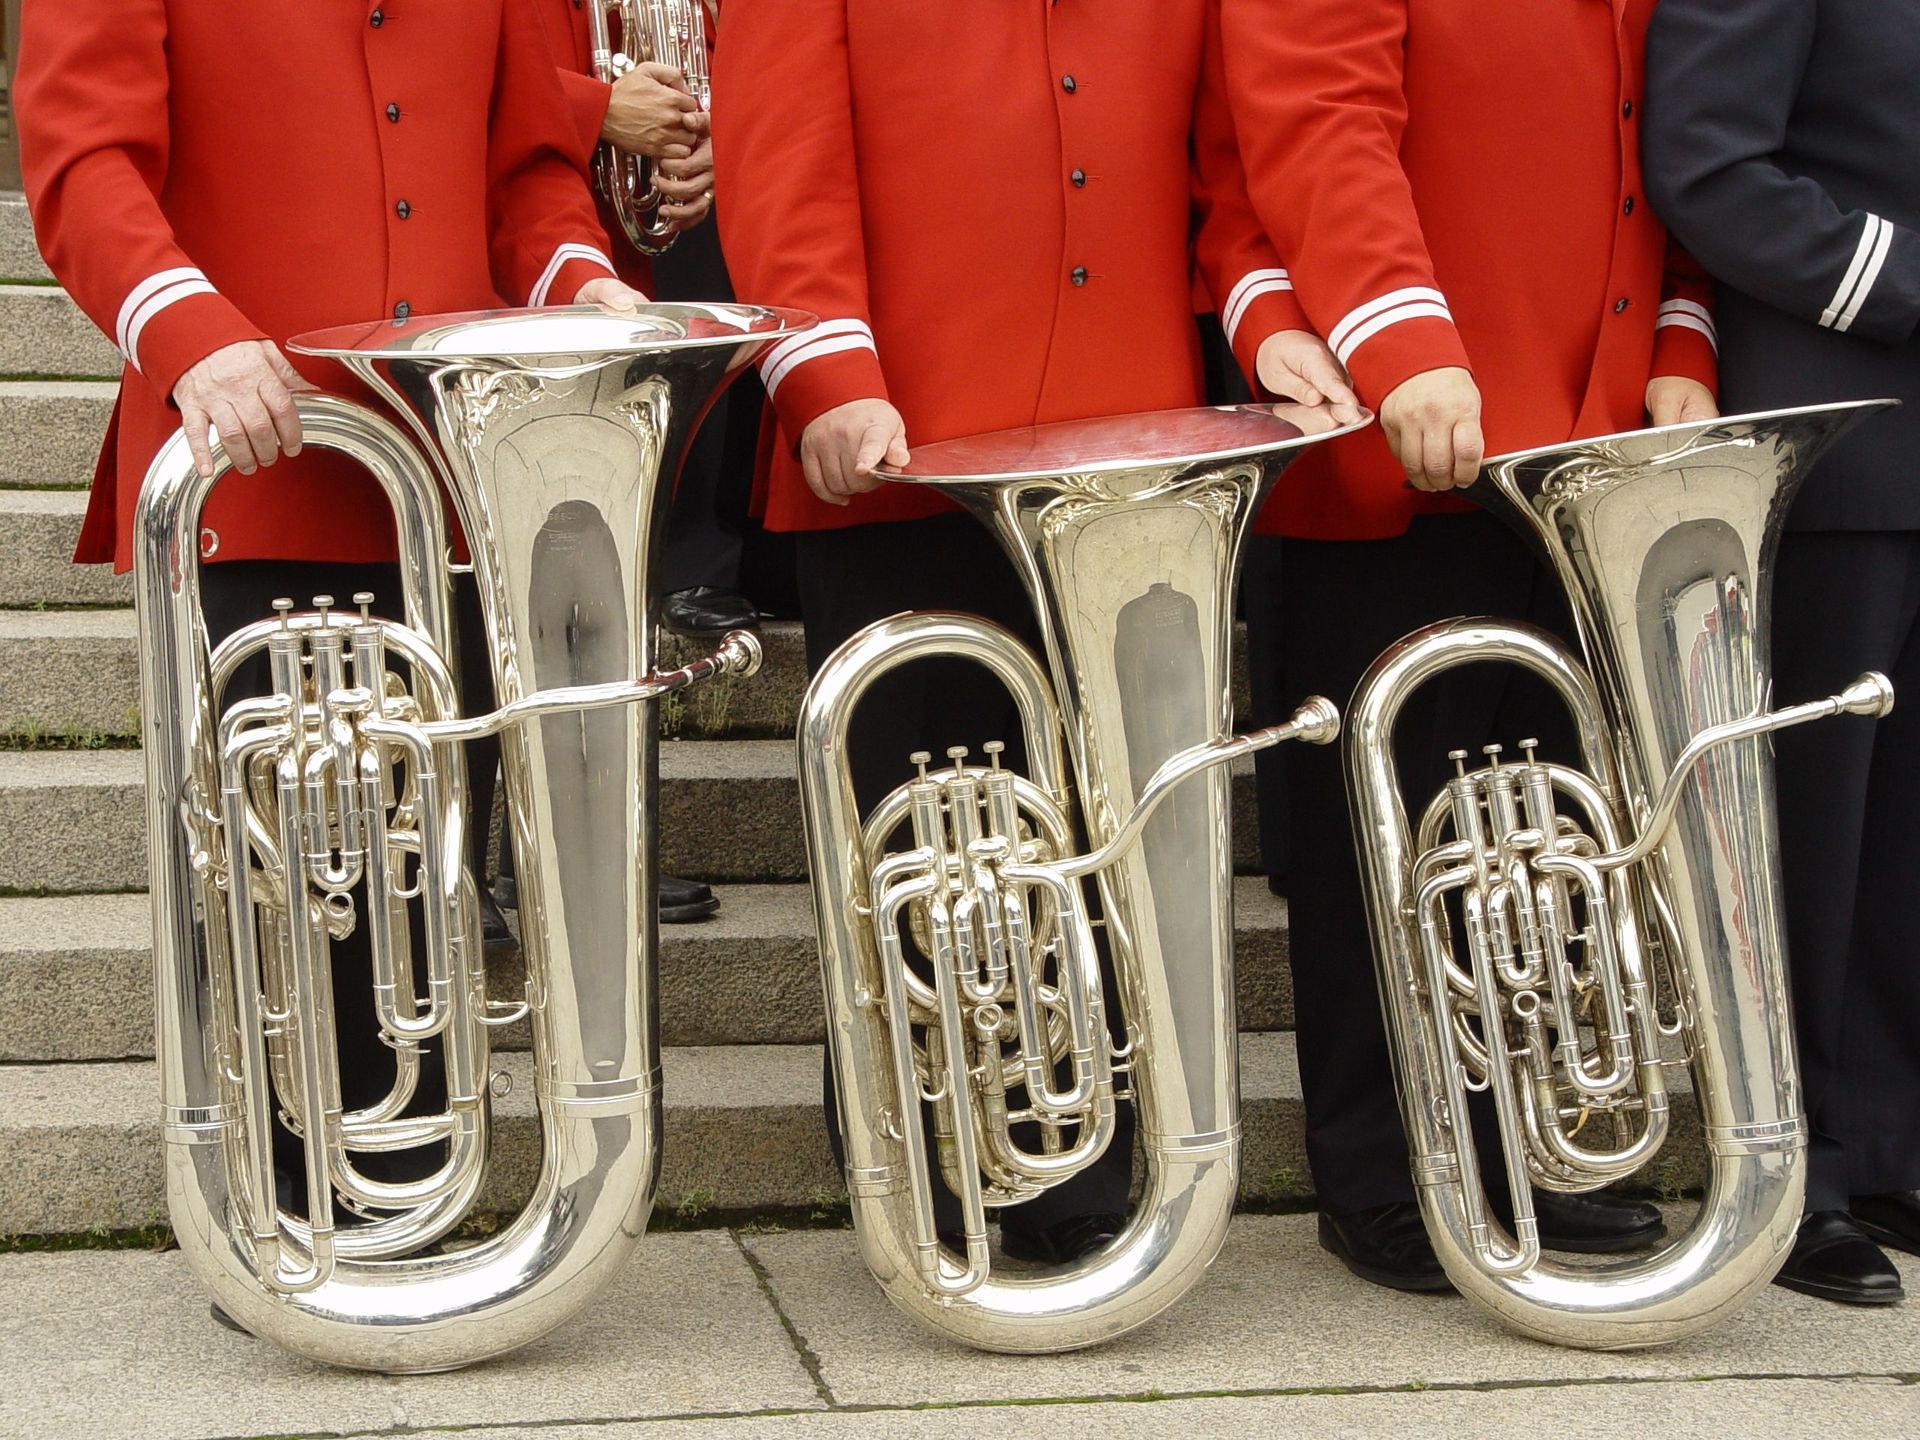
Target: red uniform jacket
{"points": [[203, 172], [1459, 184], [989, 207]]}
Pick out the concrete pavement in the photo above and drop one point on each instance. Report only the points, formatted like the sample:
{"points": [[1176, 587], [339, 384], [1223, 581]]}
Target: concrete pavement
{"points": [[720, 1334]]}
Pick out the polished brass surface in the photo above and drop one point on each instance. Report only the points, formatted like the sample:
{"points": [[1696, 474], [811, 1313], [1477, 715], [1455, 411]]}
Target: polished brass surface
{"points": [[1127, 534], [1525, 921], [336, 805]]}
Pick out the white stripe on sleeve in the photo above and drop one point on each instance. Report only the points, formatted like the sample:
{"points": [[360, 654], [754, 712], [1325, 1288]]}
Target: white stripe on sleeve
{"points": [[152, 306], [1881, 247], [1691, 322], [1689, 315], [1362, 314], [1385, 319], [560, 257], [1252, 286], [1869, 236], [821, 346], [145, 291]]}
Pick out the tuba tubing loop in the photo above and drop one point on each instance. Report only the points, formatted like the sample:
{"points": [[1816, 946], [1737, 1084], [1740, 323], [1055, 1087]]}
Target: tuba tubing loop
{"points": [[1664, 541], [556, 434], [1126, 533]]}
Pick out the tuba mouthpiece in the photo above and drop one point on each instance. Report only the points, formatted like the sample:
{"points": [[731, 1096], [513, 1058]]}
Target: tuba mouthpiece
{"points": [[1317, 721], [739, 654], [1871, 694]]}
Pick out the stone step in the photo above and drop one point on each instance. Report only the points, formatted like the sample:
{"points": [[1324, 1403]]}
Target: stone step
{"points": [[19, 256], [38, 529], [80, 1145], [76, 980], [69, 672], [42, 332], [74, 821], [50, 436], [68, 675]]}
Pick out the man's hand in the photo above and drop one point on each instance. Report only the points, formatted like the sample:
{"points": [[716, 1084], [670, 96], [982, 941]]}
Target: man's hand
{"points": [[685, 181], [1674, 400], [1297, 365], [651, 109], [843, 447], [1308, 419], [609, 294], [1433, 424], [245, 393]]}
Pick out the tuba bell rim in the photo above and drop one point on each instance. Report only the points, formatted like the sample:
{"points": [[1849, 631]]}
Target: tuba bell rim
{"points": [[1189, 437], [552, 333], [1649, 436]]}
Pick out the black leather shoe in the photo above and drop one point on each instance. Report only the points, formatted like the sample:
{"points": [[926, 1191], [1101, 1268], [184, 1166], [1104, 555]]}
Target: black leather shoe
{"points": [[1831, 1259], [706, 612], [1386, 1244], [222, 1318], [506, 892], [1062, 1242], [494, 934], [1594, 1224], [684, 900], [1891, 1219]]}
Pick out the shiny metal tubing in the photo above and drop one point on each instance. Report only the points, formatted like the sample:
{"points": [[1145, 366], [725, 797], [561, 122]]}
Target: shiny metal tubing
{"points": [[1127, 536], [557, 435], [1664, 541], [667, 32]]}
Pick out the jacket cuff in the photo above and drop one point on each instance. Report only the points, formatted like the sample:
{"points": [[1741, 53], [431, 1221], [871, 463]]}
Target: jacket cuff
{"points": [[165, 330], [570, 267], [1879, 297], [1259, 307], [1686, 344], [588, 98], [1388, 341], [830, 365]]}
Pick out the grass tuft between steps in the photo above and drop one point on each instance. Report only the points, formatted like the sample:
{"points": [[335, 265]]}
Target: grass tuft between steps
{"points": [[33, 735], [49, 377]]}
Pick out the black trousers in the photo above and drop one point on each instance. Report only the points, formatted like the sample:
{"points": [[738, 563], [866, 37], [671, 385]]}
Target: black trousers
{"points": [[1318, 613], [1849, 796], [704, 537], [852, 577], [235, 594]]}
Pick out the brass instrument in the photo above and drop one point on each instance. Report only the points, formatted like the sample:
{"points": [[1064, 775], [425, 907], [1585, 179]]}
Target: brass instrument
{"points": [[1127, 533], [338, 803], [1522, 921], [663, 32]]}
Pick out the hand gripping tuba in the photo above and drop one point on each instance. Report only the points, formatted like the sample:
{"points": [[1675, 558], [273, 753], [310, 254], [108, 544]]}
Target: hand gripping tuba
{"points": [[1127, 534], [1522, 922], [338, 803], [665, 32]]}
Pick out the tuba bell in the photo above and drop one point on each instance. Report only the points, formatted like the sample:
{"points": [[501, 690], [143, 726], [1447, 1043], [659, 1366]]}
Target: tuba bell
{"points": [[337, 803], [1127, 534], [663, 32], [1528, 921]]}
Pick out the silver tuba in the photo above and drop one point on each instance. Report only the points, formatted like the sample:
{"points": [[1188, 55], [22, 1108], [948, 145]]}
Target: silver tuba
{"points": [[663, 32], [338, 802], [1127, 533], [1526, 922]]}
